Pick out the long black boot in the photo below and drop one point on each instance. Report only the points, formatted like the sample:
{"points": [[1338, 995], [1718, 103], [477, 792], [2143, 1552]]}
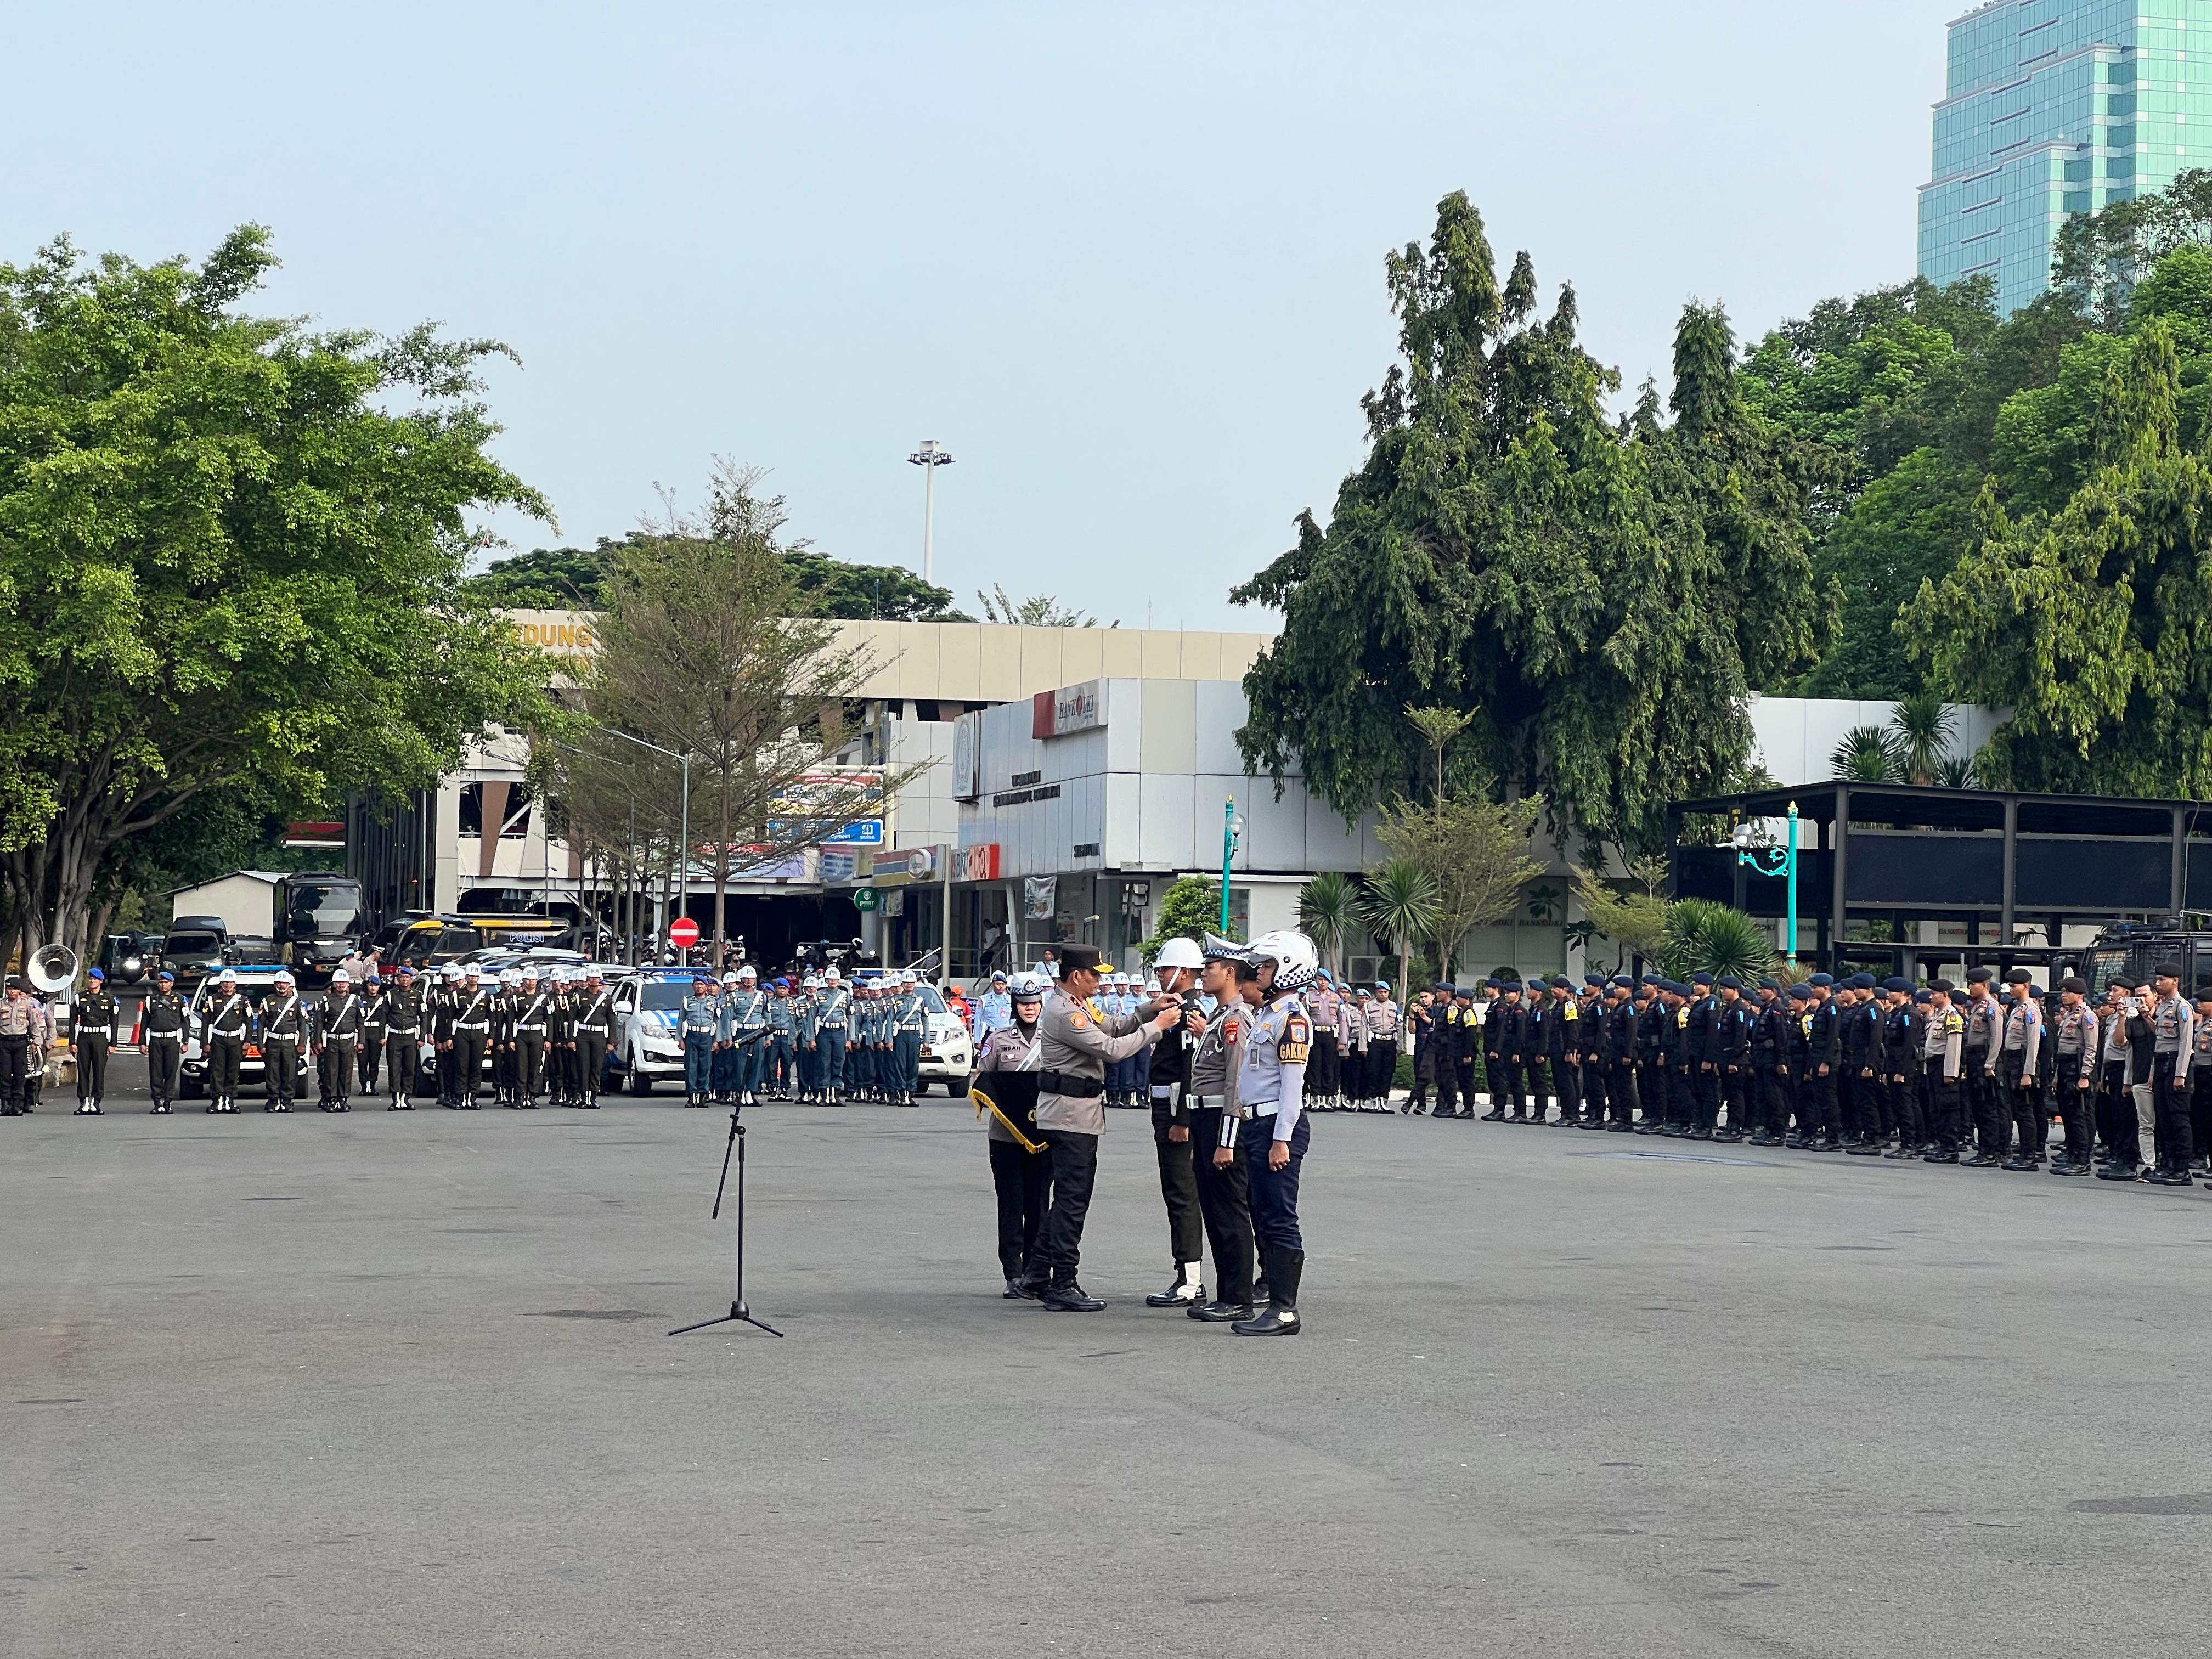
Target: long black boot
{"points": [[1284, 1269]]}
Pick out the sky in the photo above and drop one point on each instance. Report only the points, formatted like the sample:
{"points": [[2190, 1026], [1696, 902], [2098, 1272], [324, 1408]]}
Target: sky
{"points": [[1125, 262]]}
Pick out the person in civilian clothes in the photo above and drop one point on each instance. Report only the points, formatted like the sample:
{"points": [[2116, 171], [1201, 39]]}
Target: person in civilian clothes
{"points": [[1270, 1099], [2076, 1038], [1005, 1089], [1071, 1087]]}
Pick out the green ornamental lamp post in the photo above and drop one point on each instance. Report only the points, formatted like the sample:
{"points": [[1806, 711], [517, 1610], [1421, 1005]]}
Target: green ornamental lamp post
{"points": [[1775, 861]]}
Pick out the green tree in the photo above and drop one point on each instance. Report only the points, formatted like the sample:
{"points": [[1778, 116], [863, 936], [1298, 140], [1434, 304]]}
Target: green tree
{"points": [[1921, 728], [1598, 596], [1190, 909], [571, 578], [1038, 611], [548, 579], [2098, 257], [1400, 905], [2094, 625], [1703, 934], [1475, 852], [1631, 914], [231, 557], [1328, 910], [1869, 754]]}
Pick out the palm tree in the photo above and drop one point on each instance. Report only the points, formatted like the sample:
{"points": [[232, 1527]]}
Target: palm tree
{"points": [[1922, 727], [1701, 934], [1869, 754], [1400, 906], [1328, 909], [1957, 773]]}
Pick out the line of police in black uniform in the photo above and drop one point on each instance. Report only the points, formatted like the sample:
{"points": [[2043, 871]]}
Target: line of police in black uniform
{"points": [[1947, 1073]]}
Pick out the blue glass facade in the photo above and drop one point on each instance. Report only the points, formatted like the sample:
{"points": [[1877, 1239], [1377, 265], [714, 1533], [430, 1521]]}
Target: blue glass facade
{"points": [[2053, 107]]}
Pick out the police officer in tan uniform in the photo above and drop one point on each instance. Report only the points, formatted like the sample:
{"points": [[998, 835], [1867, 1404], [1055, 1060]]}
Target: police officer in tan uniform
{"points": [[1079, 1041]]}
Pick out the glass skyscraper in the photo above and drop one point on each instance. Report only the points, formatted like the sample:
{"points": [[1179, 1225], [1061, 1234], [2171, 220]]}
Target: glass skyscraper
{"points": [[2053, 107]]}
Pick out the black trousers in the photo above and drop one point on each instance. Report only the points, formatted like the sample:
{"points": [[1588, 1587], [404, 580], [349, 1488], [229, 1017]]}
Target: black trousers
{"points": [[1904, 1091], [2076, 1106], [1178, 1189], [1704, 1095], [1651, 1090], [2170, 1100], [2023, 1102], [1226, 1205], [1820, 1109], [1505, 1082], [1074, 1171], [1943, 1108], [14, 1067], [1464, 1076], [1444, 1063], [334, 1071], [1023, 1179], [1620, 1090], [223, 1055], [468, 1057], [280, 1068], [1774, 1098], [1983, 1103], [1593, 1090], [368, 1056], [530, 1063], [403, 1058], [1736, 1091], [588, 1065], [165, 1063], [1322, 1079], [92, 1068]]}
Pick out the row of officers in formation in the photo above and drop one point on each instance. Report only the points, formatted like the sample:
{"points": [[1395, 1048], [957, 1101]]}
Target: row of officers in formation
{"points": [[1971, 1073], [820, 1040], [540, 1038]]}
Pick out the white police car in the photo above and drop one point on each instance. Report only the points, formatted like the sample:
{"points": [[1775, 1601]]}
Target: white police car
{"points": [[255, 984], [647, 1048]]}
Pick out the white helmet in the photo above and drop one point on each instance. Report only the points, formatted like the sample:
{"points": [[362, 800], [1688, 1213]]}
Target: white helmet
{"points": [[1296, 960], [453, 974], [729, 979], [510, 976], [341, 977], [748, 972], [831, 975], [283, 976], [1179, 952]]}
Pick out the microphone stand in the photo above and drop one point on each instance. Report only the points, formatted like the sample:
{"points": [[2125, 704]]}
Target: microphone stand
{"points": [[739, 1314]]}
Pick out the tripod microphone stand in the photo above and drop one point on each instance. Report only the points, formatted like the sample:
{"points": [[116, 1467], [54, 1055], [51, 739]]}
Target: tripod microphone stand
{"points": [[739, 1314]]}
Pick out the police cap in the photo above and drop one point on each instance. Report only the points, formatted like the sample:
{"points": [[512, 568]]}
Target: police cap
{"points": [[1979, 977], [2074, 983], [1076, 958], [1729, 983], [1703, 976], [1942, 985], [1897, 983], [1821, 982], [2020, 976]]}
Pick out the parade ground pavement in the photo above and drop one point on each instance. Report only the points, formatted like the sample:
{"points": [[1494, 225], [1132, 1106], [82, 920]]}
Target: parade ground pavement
{"points": [[392, 1384]]}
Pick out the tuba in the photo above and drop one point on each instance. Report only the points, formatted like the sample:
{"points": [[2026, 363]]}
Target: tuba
{"points": [[52, 968]]}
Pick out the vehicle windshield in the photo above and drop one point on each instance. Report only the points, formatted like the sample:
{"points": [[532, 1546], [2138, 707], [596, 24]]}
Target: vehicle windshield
{"points": [[2105, 967], [329, 910], [664, 992], [191, 944]]}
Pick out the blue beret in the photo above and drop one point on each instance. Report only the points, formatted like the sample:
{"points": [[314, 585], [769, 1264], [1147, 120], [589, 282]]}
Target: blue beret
{"points": [[96, 974], [1594, 979], [1821, 981], [1770, 983], [1512, 985], [1864, 982], [1703, 976], [165, 974], [2037, 991], [1622, 982], [1897, 983], [1494, 982], [1922, 996], [1801, 992], [1560, 982], [1448, 990], [1729, 983], [1674, 987], [1652, 979]]}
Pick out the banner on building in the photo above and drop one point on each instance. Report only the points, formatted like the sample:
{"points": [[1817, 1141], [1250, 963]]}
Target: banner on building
{"points": [[977, 863], [1071, 709], [1039, 897]]}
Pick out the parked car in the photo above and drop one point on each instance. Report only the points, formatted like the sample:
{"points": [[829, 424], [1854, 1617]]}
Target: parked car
{"points": [[647, 1048], [192, 952], [948, 1052]]}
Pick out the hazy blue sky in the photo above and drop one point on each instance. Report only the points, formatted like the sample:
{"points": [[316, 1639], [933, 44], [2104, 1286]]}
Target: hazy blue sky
{"points": [[1126, 260]]}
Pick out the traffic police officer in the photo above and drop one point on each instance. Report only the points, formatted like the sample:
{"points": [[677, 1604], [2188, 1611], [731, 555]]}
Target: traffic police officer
{"points": [[337, 1034], [91, 1032], [403, 1039], [696, 1021], [282, 1030], [1270, 1098], [163, 1023]]}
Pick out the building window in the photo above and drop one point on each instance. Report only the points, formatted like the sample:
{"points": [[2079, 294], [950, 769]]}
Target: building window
{"points": [[514, 814]]}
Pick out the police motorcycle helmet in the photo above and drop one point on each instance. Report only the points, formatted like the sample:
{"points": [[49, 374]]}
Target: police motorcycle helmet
{"points": [[1297, 961]]}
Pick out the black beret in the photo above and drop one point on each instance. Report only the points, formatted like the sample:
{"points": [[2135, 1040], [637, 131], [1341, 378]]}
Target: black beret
{"points": [[1979, 977], [1942, 985], [2074, 983], [1560, 982], [2166, 971], [2020, 976]]}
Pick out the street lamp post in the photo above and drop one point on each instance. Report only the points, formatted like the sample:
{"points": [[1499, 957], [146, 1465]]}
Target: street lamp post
{"points": [[684, 844], [931, 456], [1231, 823], [1775, 861]]}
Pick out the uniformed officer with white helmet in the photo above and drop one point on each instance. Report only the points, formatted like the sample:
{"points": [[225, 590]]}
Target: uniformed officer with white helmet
{"points": [[1270, 1100], [1177, 967]]}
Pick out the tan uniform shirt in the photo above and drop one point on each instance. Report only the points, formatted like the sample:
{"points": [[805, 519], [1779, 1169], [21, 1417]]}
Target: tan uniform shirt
{"points": [[1080, 1043]]}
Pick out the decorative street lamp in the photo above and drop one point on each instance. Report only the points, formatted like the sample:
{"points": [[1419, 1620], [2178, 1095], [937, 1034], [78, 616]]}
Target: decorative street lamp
{"points": [[1775, 861], [1232, 826]]}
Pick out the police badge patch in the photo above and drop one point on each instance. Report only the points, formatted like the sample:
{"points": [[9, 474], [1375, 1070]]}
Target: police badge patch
{"points": [[1297, 1040]]}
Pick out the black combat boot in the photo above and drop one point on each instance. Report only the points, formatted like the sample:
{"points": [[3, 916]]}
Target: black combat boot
{"points": [[1284, 1269]]}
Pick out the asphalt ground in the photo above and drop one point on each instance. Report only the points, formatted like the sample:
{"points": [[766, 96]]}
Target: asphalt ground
{"points": [[390, 1384]]}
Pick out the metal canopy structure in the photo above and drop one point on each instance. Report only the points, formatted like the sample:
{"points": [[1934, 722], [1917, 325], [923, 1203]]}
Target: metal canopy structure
{"points": [[1991, 859]]}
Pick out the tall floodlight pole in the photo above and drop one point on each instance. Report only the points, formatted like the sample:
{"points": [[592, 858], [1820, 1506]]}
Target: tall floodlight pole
{"points": [[931, 456]]}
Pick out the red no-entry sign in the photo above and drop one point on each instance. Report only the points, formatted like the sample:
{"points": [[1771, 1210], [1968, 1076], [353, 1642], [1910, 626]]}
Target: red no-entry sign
{"points": [[683, 933]]}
